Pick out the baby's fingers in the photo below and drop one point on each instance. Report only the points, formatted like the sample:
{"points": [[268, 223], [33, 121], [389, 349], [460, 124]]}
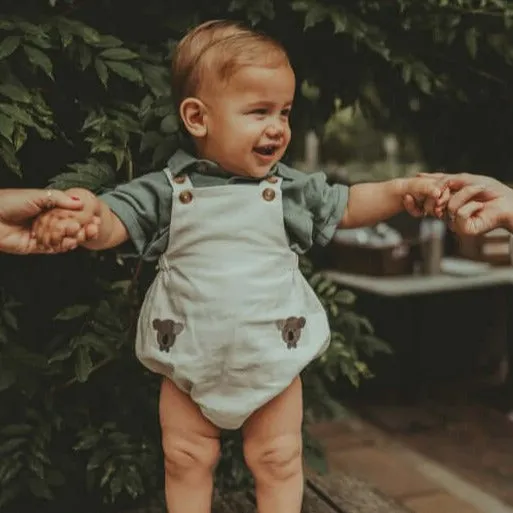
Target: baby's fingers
{"points": [[62, 229], [411, 206], [440, 205], [92, 230], [68, 244]]}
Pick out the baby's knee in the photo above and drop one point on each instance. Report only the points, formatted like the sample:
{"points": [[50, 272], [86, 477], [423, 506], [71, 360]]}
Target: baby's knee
{"points": [[186, 458], [276, 459]]}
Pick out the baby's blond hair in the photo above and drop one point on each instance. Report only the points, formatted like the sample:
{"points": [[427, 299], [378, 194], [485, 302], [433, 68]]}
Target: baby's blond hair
{"points": [[216, 49]]}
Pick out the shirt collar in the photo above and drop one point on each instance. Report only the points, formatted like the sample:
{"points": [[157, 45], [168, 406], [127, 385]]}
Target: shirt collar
{"points": [[181, 161]]}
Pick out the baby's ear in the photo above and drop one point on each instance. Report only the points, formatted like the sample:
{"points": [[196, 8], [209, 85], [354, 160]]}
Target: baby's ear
{"points": [[192, 112]]}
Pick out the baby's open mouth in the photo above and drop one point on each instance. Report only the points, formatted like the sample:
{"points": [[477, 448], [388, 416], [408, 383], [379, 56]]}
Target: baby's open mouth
{"points": [[266, 150]]}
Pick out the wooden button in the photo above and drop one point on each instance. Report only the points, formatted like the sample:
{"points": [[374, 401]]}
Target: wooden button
{"points": [[268, 194], [185, 196], [272, 179], [179, 179]]}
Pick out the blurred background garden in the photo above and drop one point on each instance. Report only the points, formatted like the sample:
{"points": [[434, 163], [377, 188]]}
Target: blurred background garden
{"points": [[385, 89]]}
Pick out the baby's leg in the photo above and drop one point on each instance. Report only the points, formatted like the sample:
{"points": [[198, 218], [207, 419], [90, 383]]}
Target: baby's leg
{"points": [[191, 450], [273, 451]]}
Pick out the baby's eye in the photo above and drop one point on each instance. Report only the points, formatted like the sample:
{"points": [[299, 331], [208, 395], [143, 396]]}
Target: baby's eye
{"points": [[285, 113], [259, 112]]}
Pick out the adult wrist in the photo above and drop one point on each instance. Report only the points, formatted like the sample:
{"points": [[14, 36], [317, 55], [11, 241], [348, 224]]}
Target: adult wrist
{"points": [[507, 220]]}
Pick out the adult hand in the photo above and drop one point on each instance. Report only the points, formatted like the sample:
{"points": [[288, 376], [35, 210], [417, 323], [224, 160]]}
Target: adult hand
{"points": [[17, 209], [479, 204]]}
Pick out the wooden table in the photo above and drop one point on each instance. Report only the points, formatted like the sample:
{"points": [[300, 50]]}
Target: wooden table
{"points": [[395, 286], [439, 326]]}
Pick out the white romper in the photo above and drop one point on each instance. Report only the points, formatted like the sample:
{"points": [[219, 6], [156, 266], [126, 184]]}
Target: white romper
{"points": [[229, 318]]}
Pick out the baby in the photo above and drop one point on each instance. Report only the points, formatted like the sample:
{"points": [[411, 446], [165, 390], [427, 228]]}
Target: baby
{"points": [[229, 321]]}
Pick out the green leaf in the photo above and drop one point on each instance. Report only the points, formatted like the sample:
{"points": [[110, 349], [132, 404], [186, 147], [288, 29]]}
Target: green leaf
{"points": [[9, 45], [314, 16], [93, 120], [8, 155], [19, 137], [10, 320], [345, 297], [72, 312], [157, 78], [85, 56], [150, 140], [406, 73], [37, 467], [119, 155], [471, 36], [102, 71], [11, 445], [6, 127], [169, 124], [62, 354], [88, 34], [7, 25], [15, 93], [83, 364], [340, 21], [66, 37], [39, 59], [18, 114], [7, 379], [97, 459], [108, 42], [118, 54], [423, 82], [92, 175], [125, 71]]}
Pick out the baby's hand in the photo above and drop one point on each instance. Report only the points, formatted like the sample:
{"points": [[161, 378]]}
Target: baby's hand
{"points": [[60, 230], [427, 195]]}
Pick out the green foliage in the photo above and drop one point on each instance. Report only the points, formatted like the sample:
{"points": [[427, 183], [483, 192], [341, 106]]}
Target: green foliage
{"points": [[85, 100]]}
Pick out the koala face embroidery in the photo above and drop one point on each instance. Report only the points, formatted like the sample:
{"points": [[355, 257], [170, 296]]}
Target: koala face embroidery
{"points": [[167, 330], [291, 330]]}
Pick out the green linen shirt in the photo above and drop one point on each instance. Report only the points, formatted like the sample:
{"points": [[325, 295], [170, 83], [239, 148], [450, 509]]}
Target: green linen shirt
{"points": [[312, 208]]}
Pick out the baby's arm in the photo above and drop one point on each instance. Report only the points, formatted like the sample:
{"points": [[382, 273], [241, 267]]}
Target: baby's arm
{"points": [[370, 203]]}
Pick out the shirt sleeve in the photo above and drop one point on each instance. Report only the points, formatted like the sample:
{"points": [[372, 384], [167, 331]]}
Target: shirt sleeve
{"points": [[143, 205], [312, 208], [327, 204]]}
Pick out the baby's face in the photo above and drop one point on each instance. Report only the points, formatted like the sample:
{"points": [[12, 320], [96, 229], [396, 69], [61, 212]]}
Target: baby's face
{"points": [[247, 120]]}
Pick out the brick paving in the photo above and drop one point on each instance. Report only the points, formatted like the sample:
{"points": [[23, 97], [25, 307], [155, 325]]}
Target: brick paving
{"points": [[359, 448]]}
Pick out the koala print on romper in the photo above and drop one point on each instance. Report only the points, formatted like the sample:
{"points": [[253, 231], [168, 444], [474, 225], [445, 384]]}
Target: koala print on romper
{"points": [[291, 330], [167, 330]]}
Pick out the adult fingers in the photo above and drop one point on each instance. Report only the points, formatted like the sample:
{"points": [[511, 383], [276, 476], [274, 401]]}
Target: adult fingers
{"points": [[432, 175], [51, 198], [471, 219], [463, 196]]}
